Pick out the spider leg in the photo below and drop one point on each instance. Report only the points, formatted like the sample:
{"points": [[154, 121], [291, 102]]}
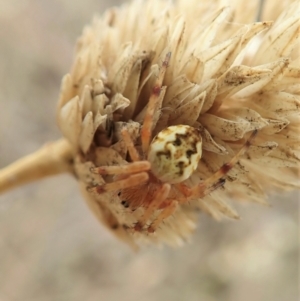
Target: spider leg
{"points": [[172, 205], [187, 191], [136, 166], [130, 181], [128, 175], [133, 167], [216, 180], [146, 130], [165, 213], [159, 198], [134, 155]]}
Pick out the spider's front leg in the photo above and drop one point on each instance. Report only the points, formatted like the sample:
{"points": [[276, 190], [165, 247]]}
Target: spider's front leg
{"points": [[132, 174], [126, 175], [146, 132]]}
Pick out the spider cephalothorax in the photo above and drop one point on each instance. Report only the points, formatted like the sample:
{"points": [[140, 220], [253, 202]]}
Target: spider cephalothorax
{"points": [[154, 180]]}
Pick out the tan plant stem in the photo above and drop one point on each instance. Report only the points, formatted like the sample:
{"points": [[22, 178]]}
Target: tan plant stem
{"points": [[51, 159]]}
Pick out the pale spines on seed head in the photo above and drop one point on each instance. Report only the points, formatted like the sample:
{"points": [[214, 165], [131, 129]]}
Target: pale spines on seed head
{"points": [[174, 153]]}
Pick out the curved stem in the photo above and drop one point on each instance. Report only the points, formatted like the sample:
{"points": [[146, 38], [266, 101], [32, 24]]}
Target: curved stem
{"points": [[51, 159]]}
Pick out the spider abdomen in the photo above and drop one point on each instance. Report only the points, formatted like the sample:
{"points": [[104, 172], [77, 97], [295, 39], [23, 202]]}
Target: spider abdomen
{"points": [[174, 153]]}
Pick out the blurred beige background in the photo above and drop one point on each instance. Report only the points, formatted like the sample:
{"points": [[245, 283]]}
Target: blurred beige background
{"points": [[52, 248]]}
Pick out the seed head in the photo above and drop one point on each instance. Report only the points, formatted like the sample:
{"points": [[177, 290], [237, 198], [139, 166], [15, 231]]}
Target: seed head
{"points": [[219, 93]]}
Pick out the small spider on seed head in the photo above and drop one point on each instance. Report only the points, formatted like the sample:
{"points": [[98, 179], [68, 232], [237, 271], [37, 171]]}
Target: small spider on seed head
{"points": [[155, 182]]}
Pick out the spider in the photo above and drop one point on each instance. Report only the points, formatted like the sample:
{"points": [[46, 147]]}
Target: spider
{"points": [[155, 181]]}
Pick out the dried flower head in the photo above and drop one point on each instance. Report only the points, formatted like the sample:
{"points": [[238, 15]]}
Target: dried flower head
{"points": [[174, 108]]}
